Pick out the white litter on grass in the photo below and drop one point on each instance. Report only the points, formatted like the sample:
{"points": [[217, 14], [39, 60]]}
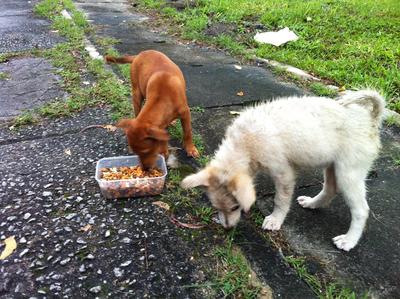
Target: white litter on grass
{"points": [[276, 38], [66, 14], [92, 51]]}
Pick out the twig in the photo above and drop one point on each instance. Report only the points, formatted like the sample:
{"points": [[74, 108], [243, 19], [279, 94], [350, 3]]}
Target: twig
{"points": [[109, 128], [91, 127], [185, 225]]}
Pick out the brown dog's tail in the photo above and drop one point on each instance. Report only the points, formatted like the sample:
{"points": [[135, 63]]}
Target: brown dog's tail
{"points": [[120, 60]]}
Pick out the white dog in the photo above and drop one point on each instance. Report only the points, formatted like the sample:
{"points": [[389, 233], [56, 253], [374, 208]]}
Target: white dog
{"points": [[292, 133]]}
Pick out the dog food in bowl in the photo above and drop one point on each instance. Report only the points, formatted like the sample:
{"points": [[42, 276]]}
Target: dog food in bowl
{"points": [[122, 177]]}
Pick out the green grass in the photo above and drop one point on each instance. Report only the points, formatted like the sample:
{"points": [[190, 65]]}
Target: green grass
{"points": [[106, 41], [321, 90], [350, 43], [234, 275], [322, 289], [396, 160], [26, 118], [4, 76], [393, 120]]}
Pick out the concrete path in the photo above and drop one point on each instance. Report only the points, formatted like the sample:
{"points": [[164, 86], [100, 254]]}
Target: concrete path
{"points": [[48, 194], [28, 82]]}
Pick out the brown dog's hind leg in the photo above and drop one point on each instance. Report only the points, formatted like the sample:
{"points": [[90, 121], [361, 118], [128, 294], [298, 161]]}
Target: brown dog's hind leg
{"points": [[190, 149]]}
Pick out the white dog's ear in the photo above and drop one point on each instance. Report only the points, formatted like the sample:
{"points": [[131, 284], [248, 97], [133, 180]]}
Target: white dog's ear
{"points": [[198, 179], [243, 189]]}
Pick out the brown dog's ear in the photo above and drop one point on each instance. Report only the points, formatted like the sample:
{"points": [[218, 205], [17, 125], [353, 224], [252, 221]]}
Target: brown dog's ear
{"points": [[124, 123], [243, 190], [158, 134], [202, 178]]}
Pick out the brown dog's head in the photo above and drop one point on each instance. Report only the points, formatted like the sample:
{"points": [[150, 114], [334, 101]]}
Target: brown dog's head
{"points": [[228, 194], [145, 141]]}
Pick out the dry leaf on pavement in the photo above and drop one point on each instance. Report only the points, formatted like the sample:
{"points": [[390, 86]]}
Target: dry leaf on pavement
{"points": [[240, 93], [86, 228], [11, 245], [110, 128]]}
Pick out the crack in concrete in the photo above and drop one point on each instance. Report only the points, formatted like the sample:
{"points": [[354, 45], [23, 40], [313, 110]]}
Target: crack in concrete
{"points": [[14, 141]]}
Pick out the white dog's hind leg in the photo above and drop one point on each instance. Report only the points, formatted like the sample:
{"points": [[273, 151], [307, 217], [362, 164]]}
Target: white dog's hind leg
{"points": [[326, 195], [284, 186], [354, 192]]}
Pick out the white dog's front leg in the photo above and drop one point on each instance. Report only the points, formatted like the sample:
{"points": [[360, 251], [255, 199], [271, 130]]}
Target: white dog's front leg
{"points": [[284, 186]]}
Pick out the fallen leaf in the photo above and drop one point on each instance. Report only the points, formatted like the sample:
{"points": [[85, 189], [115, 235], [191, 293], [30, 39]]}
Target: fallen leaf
{"points": [[162, 205], [240, 93], [86, 228], [11, 245], [110, 128], [186, 225], [234, 112], [68, 152], [238, 67]]}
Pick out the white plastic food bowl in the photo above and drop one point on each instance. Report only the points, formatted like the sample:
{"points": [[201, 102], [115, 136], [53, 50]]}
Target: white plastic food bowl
{"points": [[130, 187]]}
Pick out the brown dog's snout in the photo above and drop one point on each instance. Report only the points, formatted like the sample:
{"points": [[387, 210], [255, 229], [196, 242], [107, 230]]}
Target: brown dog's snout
{"points": [[148, 162]]}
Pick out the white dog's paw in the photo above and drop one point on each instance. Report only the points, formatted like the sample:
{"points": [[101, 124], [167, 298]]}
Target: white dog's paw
{"points": [[344, 242], [306, 202], [272, 223]]}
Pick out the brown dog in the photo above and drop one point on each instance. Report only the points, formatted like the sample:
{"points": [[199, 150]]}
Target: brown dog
{"points": [[157, 79]]}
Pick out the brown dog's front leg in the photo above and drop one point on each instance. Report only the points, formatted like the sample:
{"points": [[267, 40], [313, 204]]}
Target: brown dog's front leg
{"points": [[191, 150], [137, 101]]}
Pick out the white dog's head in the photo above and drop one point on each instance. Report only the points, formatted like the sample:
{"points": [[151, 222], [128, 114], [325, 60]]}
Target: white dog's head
{"points": [[228, 194]]}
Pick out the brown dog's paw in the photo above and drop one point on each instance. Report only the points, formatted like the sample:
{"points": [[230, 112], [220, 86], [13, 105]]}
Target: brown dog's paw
{"points": [[192, 151]]}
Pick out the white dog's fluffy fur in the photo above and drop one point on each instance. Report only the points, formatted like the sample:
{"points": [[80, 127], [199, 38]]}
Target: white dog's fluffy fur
{"points": [[282, 136]]}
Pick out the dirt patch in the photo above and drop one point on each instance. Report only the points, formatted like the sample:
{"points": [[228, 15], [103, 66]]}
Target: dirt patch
{"points": [[217, 29]]}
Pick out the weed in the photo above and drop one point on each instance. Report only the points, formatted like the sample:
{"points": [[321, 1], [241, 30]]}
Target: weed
{"points": [[234, 277], [204, 214], [396, 160], [26, 118], [204, 159], [107, 41], [298, 263], [4, 76], [7, 56], [197, 109], [322, 90], [229, 43], [393, 120], [333, 291]]}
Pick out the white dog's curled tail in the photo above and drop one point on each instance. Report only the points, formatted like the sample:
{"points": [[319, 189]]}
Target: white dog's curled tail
{"points": [[366, 98]]}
